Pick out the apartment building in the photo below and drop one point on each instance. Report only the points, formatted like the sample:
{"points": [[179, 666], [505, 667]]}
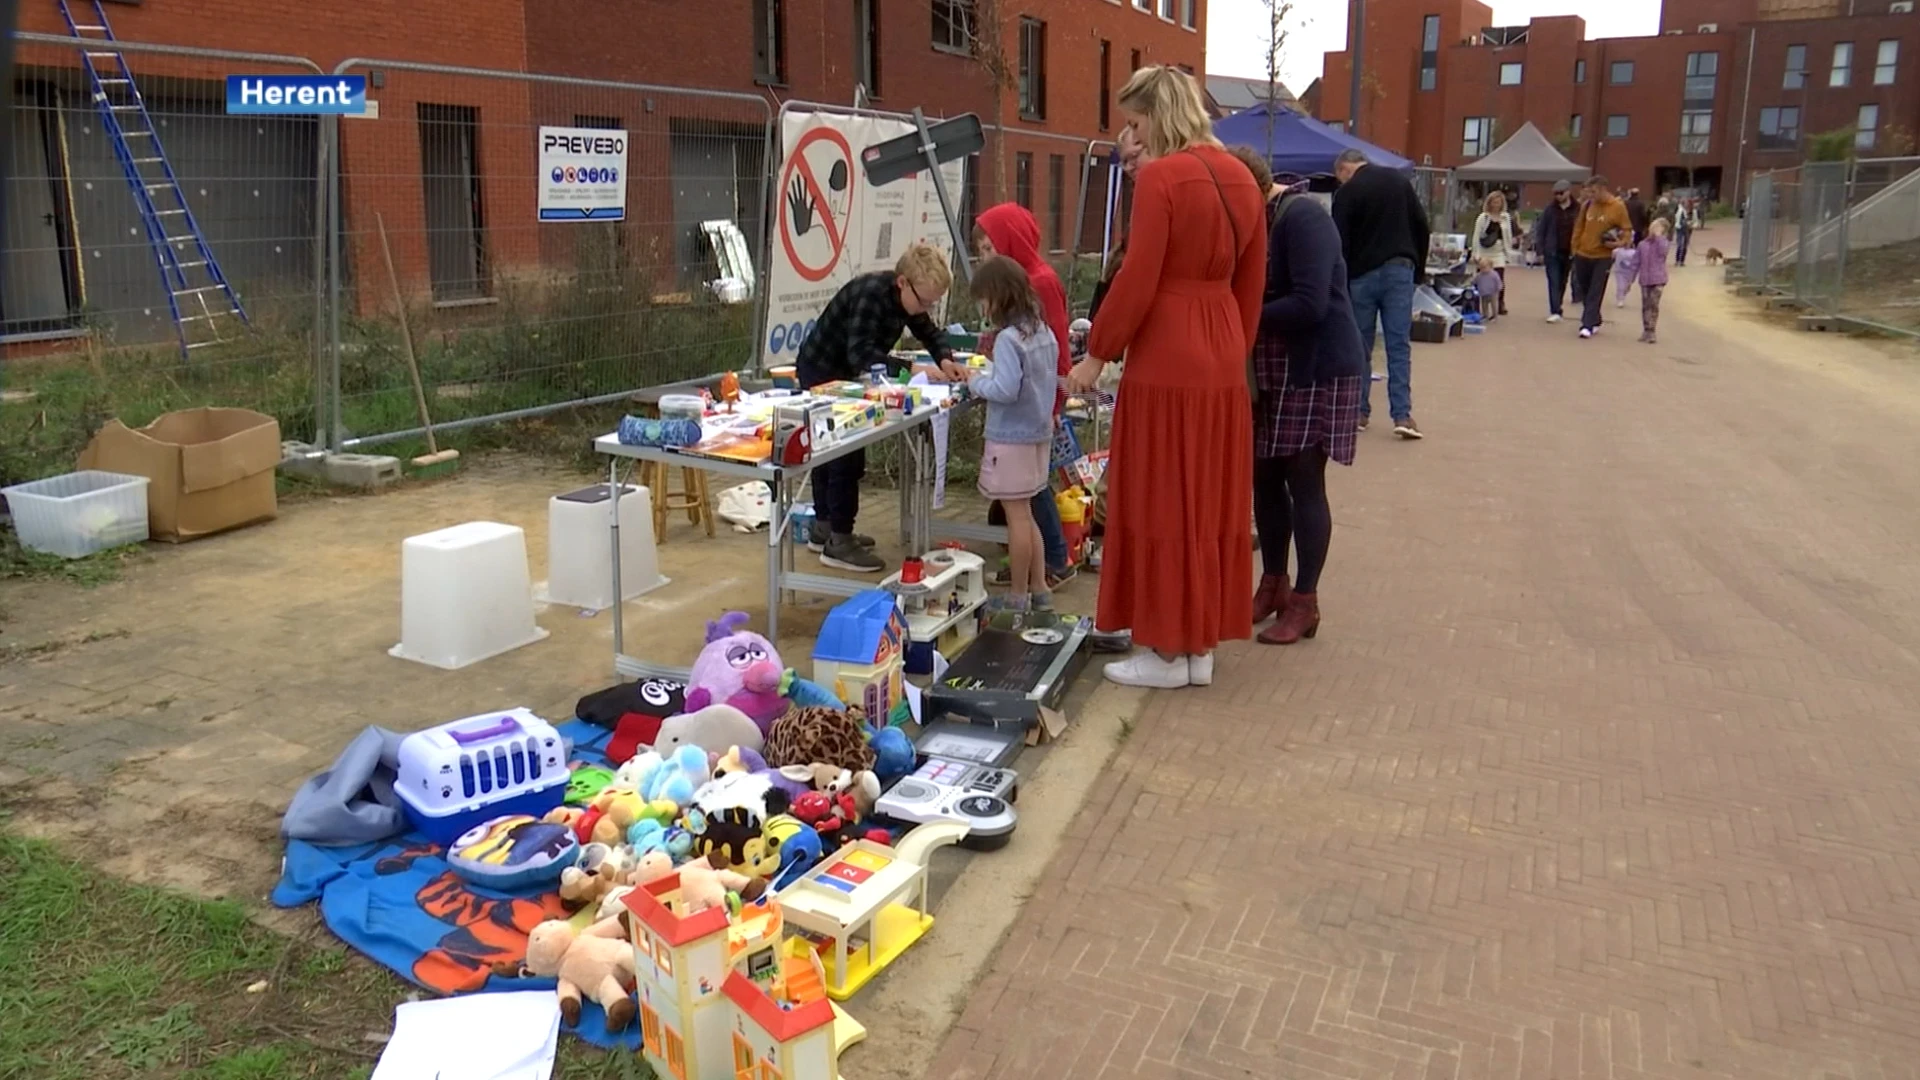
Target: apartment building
{"points": [[1727, 87], [449, 165]]}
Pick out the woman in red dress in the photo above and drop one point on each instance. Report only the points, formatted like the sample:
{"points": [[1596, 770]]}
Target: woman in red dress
{"points": [[1183, 309]]}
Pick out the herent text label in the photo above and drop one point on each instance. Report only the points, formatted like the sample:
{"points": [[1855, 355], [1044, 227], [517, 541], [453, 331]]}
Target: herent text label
{"points": [[297, 95]]}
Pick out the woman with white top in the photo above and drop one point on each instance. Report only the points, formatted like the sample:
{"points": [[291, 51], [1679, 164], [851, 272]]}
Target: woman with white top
{"points": [[1493, 239]]}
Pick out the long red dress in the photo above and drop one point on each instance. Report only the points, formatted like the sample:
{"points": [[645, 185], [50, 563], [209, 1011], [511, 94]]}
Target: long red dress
{"points": [[1178, 564]]}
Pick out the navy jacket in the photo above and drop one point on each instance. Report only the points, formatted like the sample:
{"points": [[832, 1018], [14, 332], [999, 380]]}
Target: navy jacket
{"points": [[1307, 304]]}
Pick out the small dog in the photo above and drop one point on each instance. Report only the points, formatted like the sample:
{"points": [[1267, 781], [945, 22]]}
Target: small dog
{"points": [[1715, 256]]}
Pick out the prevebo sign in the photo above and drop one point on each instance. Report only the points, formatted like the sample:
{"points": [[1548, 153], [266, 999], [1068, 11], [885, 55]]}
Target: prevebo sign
{"points": [[583, 174]]}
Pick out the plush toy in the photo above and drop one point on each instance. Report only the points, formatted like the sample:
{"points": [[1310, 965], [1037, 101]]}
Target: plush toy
{"points": [[601, 869], [832, 816], [619, 808], [833, 736], [703, 886], [799, 846], [739, 668], [672, 779], [580, 819], [715, 725], [671, 840], [596, 962], [793, 780], [863, 786], [727, 818], [646, 870], [893, 753], [585, 781]]}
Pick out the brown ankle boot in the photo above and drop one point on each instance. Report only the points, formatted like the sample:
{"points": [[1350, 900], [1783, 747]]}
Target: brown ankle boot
{"points": [[1300, 619], [1271, 597]]}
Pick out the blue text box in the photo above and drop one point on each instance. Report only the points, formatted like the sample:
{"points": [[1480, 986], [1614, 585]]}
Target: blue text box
{"points": [[297, 95]]}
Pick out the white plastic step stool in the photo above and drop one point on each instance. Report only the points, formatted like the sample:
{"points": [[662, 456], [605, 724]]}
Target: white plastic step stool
{"points": [[465, 595], [580, 548]]}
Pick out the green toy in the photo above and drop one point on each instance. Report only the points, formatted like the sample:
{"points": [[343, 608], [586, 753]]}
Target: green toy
{"points": [[586, 782]]}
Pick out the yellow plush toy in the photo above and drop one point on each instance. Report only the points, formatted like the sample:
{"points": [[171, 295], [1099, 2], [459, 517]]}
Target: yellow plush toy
{"points": [[620, 808]]}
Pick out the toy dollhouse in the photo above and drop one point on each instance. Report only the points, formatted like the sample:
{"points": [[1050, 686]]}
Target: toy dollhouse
{"points": [[861, 653], [951, 586], [726, 997]]}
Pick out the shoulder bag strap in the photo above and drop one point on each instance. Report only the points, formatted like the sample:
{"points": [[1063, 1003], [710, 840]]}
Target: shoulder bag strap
{"points": [[1253, 381]]}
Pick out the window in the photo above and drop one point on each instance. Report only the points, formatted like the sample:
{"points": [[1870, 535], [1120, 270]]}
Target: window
{"points": [[1430, 52], [1779, 127], [1190, 14], [649, 1028], [1033, 69], [1863, 127], [1106, 85], [1510, 74], [1620, 72], [1023, 179], [663, 957], [1579, 71], [770, 41], [1842, 73], [1574, 125], [1696, 129], [953, 26], [1169, 9], [1884, 61], [1617, 126], [1796, 68], [866, 45], [1703, 69], [768, 1072], [676, 1055], [1057, 202], [1476, 136], [742, 1055], [1144, 5], [1134, 60], [456, 224]]}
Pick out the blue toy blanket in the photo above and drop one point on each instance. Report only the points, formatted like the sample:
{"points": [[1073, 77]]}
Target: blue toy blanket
{"points": [[399, 903]]}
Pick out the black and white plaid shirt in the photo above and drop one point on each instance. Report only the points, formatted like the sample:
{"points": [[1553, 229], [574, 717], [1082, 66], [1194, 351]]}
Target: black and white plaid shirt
{"points": [[859, 328]]}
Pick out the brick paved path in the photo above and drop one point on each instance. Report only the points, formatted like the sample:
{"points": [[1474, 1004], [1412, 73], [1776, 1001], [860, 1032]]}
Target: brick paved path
{"points": [[1604, 764]]}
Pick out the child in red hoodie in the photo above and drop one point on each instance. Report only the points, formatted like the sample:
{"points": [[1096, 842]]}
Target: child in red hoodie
{"points": [[1010, 229]]}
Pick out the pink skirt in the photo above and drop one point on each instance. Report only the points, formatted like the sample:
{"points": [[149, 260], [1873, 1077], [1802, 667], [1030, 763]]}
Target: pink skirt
{"points": [[1013, 472]]}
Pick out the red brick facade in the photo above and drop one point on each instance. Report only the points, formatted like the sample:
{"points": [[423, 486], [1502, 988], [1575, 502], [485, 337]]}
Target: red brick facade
{"points": [[1639, 84]]}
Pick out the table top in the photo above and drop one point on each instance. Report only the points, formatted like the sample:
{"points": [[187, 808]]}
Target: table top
{"points": [[611, 445]]}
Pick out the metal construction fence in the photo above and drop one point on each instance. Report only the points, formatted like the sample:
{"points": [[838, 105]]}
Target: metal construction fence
{"points": [[319, 233], [1842, 238]]}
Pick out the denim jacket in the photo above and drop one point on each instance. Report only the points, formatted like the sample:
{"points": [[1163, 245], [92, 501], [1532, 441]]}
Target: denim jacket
{"points": [[1019, 388]]}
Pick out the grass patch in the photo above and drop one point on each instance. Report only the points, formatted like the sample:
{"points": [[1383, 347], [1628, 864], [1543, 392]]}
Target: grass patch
{"points": [[104, 980], [98, 568]]}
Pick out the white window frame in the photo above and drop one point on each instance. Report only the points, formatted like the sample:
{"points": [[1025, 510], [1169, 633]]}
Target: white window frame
{"points": [[1841, 74], [1575, 125], [1476, 136], [1794, 78], [1866, 127], [1519, 72], [1190, 14], [1886, 60]]}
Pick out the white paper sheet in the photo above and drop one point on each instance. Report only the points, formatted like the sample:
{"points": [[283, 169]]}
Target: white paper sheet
{"points": [[509, 1036], [938, 426]]}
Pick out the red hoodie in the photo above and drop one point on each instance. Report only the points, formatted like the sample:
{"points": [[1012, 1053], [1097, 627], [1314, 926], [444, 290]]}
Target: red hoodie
{"points": [[1016, 234]]}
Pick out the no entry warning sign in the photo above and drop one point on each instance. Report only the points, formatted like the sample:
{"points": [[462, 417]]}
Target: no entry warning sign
{"points": [[833, 225]]}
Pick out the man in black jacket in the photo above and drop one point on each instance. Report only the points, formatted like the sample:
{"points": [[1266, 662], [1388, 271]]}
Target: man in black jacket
{"points": [[1553, 239], [1383, 234], [859, 328]]}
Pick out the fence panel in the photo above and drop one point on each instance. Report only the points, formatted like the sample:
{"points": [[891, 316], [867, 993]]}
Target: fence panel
{"points": [[513, 315], [1781, 218], [122, 212], [1436, 190], [1756, 228], [1880, 259]]}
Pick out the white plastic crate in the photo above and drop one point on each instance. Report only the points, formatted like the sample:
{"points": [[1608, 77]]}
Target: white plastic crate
{"points": [[79, 513]]}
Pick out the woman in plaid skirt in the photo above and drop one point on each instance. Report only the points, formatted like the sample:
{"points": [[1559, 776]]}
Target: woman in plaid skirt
{"points": [[1309, 375]]}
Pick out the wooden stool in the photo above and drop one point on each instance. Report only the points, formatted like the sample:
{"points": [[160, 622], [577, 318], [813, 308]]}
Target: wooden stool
{"points": [[693, 496]]}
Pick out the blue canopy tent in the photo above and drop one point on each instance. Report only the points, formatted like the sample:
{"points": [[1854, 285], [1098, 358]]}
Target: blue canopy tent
{"points": [[1300, 144]]}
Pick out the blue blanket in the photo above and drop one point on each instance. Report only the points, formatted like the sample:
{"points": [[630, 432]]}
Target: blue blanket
{"points": [[397, 902]]}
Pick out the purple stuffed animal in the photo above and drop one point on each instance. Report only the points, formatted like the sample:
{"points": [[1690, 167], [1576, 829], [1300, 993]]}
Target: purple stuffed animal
{"points": [[739, 668]]}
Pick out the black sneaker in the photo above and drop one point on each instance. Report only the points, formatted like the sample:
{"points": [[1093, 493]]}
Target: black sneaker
{"points": [[818, 534], [848, 553]]}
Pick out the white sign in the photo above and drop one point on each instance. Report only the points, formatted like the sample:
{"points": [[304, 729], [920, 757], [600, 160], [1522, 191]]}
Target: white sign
{"points": [[830, 225], [583, 174]]}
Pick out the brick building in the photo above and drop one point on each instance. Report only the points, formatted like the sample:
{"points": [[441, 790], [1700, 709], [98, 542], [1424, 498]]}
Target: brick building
{"points": [[449, 164], [1727, 87]]}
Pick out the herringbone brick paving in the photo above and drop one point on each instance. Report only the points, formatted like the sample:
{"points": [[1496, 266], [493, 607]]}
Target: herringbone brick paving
{"points": [[1604, 763]]}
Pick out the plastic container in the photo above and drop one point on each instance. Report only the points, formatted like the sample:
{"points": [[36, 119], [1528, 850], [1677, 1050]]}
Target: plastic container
{"points": [[79, 513], [466, 595], [467, 772], [682, 407]]}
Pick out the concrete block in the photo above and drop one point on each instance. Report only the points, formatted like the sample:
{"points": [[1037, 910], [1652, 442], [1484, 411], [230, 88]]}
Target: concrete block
{"points": [[1821, 323], [1785, 303], [304, 460], [367, 471]]}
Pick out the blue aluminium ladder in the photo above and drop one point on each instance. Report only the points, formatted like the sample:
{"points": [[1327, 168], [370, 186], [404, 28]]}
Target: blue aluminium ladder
{"points": [[198, 295]]}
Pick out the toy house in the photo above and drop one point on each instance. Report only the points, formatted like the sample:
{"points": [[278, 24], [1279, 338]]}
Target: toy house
{"points": [[860, 653], [951, 586], [722, 998]]}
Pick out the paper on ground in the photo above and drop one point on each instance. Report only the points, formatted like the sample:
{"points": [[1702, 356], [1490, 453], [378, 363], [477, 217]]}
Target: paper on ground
{"points": [[510, 1036]]}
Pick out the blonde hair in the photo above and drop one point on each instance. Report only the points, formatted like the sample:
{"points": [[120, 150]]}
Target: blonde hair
{"points": [[1487, 203], [1171, 99], [1659, 227], [926, 268]]}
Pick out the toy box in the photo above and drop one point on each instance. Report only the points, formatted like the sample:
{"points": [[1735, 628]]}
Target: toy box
{"points": [[465, 772]]}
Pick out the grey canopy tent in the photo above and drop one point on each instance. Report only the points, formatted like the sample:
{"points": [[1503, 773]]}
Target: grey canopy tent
{"points": [[1526, 156]]}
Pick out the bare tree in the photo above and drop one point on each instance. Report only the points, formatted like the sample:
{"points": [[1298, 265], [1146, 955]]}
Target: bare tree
{"points": [[1279, 14], [977, 29]]}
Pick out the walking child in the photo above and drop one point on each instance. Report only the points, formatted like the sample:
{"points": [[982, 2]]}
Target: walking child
{"points": [[1650, 264], [1490, 285], [1018, 390]]}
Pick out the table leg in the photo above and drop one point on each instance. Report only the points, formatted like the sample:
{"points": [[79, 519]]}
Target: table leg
{"points": [[779, 519], [613, 534]]}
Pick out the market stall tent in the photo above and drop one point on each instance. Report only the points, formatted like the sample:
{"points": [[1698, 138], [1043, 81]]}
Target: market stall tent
{"points": [[1296, 143], [1525, 156]]}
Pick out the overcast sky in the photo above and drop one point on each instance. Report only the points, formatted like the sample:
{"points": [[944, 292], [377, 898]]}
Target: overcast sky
{"points": [[1237, 30]]}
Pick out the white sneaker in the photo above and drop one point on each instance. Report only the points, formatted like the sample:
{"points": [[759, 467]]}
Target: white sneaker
{"points": [[1620, 303], [1200, 670], [1145, 668], [1585, 333], [1553, 318]]}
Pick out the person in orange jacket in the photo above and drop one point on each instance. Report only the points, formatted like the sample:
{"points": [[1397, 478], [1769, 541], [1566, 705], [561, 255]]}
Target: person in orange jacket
{"points": [[1602, 226]]}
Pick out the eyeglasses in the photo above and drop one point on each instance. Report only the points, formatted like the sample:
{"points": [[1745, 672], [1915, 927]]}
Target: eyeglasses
{"points": [[915, 290]]}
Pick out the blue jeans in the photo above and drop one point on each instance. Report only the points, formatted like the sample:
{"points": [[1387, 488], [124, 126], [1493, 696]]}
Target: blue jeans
{"points": [[1385, 293], [1558, 267], [1046, 514]]}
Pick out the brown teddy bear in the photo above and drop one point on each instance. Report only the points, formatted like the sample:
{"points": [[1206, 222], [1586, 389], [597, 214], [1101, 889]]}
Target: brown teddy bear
{"points": [[597, 961]]}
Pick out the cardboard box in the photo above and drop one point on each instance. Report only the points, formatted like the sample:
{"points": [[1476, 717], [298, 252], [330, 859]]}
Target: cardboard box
{"points": [[211, 469]]}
